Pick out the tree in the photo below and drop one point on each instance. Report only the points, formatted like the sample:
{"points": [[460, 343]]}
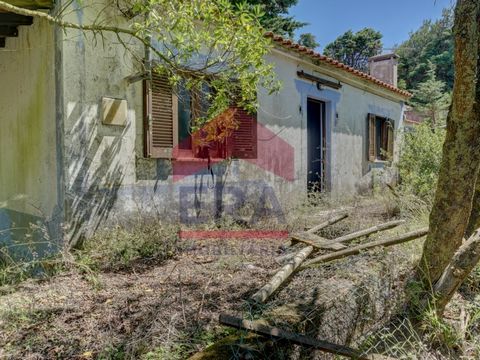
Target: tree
{"points": [[355, 49], [197, 42], [442, 267], [432, 42], [275, 17], [430, 97], [308, 40]]}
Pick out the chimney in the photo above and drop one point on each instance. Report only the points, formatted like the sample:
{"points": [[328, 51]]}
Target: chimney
{"points": [[384, 67]]}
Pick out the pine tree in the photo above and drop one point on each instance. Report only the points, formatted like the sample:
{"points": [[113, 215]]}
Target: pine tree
{"points": [[431, 98]]}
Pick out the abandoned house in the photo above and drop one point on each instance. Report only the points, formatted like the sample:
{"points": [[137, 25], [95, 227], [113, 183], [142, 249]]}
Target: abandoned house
{"points": [[82, 144]]}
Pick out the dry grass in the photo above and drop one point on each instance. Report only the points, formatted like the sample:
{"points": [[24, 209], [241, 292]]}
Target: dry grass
{"points": [[149, 302]]}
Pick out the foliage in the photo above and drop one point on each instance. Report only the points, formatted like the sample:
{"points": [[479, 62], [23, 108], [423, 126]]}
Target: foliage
{"points": [[432, 42], [209, 42], [195, 42], [275, 15], [430, 97], [122, 247], [308, 40], [354, 49], [420, 160]]}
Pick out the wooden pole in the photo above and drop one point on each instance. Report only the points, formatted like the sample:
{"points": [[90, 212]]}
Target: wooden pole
{"points": [[261, 295], [365, 232], [277, 333], [330, 221], [357, 249]]}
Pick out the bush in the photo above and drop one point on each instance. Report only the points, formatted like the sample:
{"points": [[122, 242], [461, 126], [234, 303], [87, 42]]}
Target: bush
{"points": [[420, 160], [121, 247]]}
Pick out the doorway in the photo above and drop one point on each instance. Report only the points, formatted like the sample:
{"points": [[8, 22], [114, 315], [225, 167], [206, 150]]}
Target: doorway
{"points": [[316, 145]]}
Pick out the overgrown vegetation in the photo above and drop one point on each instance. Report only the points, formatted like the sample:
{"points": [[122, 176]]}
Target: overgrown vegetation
{"points": [[27, 251], [420, 159], [121, 247]]}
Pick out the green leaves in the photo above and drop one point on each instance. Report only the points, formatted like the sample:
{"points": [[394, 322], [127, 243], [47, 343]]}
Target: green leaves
{"points": [[430, 97], [354, 49], [433, 41], [420, 160], [209, 42]]}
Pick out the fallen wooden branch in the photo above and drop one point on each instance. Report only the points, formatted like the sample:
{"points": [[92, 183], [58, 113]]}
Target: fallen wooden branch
{"points": [[261, 295], [277, 333], [357, 249], [462, 263], [365, 232]]}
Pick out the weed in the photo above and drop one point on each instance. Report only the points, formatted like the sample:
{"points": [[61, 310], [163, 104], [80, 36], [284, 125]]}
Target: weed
{"points": [[120, 247]]}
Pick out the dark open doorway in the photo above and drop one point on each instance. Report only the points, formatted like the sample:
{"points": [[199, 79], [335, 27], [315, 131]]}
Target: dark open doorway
{"points": [[316, 144]]}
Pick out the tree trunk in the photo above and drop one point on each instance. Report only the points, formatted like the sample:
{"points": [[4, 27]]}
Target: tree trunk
{"points": [[461, 155], [474, 221]]}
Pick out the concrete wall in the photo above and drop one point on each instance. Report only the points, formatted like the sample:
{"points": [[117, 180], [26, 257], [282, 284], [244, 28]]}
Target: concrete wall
{"points": [[99, 159], [29, 169]]}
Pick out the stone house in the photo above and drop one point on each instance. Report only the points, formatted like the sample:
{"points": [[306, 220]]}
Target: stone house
{"points": [[85, 142]]}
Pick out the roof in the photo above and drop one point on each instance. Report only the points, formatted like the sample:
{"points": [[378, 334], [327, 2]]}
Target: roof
{"points": [[303, 50]]}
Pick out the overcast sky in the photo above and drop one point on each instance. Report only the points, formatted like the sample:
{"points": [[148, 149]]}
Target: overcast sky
{"points": [[395, 19]]}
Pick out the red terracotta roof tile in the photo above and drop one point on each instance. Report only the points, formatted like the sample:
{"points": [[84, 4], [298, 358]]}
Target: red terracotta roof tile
{"points": [[287, 43]]}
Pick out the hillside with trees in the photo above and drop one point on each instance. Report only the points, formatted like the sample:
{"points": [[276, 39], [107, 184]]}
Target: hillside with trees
{"points": [[431, 43]]}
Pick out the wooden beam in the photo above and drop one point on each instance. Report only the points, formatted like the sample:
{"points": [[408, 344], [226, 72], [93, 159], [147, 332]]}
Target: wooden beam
{"points": [[331, 221], [277, 333], [316, 241], [358, 249]]}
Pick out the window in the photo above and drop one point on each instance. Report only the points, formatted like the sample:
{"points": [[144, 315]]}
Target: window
{"points": [[168, 132], [380, 138]]}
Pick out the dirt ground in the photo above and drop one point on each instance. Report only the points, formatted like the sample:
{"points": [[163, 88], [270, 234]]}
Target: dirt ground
{"points": [[168, 311]]}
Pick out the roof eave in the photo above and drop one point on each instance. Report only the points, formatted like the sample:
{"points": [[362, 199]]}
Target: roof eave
{"points": [[316, 59]]}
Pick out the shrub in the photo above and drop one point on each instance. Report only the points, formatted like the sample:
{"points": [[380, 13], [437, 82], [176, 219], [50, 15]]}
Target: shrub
{"points": [[121, 247], [420, 160]]}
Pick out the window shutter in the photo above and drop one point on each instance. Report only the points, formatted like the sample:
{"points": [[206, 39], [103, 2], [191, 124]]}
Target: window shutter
{"points": [[161, 110], [391, 137], [371, 137], [243, 141]]}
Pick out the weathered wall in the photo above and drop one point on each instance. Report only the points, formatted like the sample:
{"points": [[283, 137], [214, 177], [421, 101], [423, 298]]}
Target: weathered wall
{"points": [[29, 172], [99, 159]]}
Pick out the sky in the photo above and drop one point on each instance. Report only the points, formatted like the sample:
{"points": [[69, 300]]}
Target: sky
{"points": [[395, 19]]}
